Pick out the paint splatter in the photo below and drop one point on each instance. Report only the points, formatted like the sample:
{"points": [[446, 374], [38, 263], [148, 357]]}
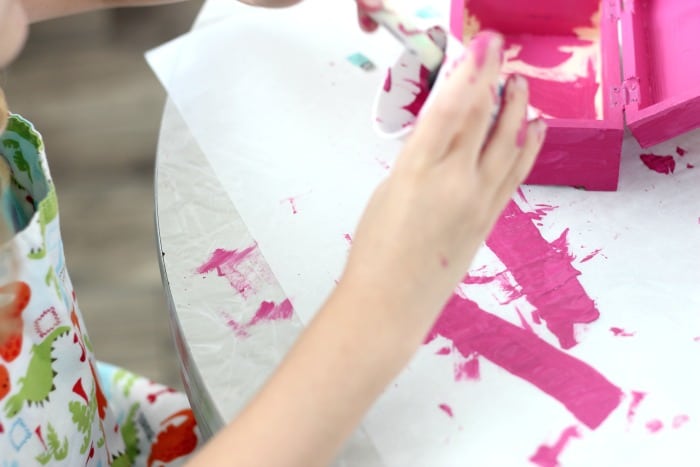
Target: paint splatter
{"points": [[523, 321], [292, 203], [680, 151], [654, 426], [408, 32], [382, 163], [540, 211], [444, 351], [591, 255], [637, 397], [690, 166], [619, 332], [237, 267], [697, 339], [268, 311], [544, 273], [348, 238], [467, 369], [661, 164], [548, 456], [587, 394], [679, 421], [447, 409], [423, 85], [387, 81]]}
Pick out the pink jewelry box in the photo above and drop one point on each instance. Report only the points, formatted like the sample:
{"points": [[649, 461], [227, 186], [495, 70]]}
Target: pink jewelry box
{"points": [[583, 81]]}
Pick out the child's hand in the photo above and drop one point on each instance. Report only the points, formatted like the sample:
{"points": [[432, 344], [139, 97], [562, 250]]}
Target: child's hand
{"points": [[363, 8], [454, 176]]}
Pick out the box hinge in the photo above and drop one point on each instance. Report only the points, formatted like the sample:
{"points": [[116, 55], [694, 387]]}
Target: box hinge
{"points": [[626, 93]]}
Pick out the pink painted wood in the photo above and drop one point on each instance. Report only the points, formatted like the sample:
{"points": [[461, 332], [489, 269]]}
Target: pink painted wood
{"points": [[661, 61], [581, 149]]}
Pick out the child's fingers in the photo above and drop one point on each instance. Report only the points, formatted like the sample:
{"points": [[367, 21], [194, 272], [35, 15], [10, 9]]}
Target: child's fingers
{"points": [[488, 51], [364, 7], [534, 139], [509, 133], [459, 118]]}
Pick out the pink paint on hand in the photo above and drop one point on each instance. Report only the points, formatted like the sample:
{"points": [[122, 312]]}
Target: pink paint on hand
{"points": [[661, 164], [387, 81], [408, 32], [480, 47], [447, 409], [680, 151], [654, 426], [621, 332], [548, 456], [587, 394], [229, 264], [522, 134], [679, 421], [420, 97], [468, 369], [544, 272], [637, 397]]}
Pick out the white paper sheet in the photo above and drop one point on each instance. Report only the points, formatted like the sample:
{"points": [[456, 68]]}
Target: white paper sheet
{"points": [[282, 115]]}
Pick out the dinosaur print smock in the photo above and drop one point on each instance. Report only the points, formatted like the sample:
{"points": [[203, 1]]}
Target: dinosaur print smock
{"points": [[58, 405]]}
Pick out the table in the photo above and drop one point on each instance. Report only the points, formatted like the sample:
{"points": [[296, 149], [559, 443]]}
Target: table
{"points": [[209, 262]]}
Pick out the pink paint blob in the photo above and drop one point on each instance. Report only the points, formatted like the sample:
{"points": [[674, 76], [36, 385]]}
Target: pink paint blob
{"points": [[423, 85], [468, 369], [690, 166], [267, 311], [548, 456], [680, 151], [619, 332], [387, 81], [637, 398], [348, 238], [444, 351], [544, 273], [697, 339], [654, 426], [227, 263], [661, 164], [587, 394], [679, 421], [447, 409], [591, 255]]}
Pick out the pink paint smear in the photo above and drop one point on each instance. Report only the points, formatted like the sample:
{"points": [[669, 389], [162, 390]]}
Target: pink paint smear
{"points": [[661, 164], [544, 273], [654, 426], [587, 394], [447, 409], [268, 311], [548, 456], [619, 332], [637, 398], [467, 369], [591, 255], [679, 421], [680, 151], [228, 264], [420, 97]]}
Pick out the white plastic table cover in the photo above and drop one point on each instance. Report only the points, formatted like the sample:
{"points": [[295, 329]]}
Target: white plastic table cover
{"points": [[574, 340]]}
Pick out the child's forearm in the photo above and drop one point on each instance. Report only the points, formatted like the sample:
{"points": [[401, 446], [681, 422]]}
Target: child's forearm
{"points": [[350, 352]]}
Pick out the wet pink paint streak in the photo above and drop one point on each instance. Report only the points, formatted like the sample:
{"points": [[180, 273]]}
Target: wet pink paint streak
{"points": [[654, 426], [420, 97], [387, 81], [544, 273], [679, 421], [590, 256], [548, 456], [444, 351], [467, 369], [637, 398], [522, 134], [268, 311], [661, 164], [587, 394], [619, 332], [227, 264], [566, 99], [447, 409], [680, 151]]}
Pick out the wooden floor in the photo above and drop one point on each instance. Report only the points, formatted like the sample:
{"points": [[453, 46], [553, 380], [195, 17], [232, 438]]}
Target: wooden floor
{"points": [[85, 85]]}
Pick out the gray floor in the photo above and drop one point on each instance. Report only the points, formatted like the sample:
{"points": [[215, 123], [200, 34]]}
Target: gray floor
{"points": [[84, 83]]}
